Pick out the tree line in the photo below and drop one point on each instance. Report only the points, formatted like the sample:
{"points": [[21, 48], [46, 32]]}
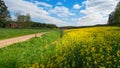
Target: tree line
{"points": [[23, 21]]}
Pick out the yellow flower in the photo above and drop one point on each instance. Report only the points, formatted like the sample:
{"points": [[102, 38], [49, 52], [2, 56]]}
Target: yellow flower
{"points": [[102, 66], [95, 62]]}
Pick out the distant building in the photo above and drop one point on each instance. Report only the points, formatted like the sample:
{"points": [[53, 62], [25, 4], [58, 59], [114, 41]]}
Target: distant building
{"points": [[22, 22], [14, 25], [19, 23]]}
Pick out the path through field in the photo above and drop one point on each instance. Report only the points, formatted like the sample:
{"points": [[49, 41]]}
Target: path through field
{"points": [[10, 41]]}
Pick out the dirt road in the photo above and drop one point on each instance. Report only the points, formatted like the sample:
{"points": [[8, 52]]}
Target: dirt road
{"points": [[10, 41]]}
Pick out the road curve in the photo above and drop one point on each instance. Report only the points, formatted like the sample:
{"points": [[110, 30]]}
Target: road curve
{"points": [[7, 42]]}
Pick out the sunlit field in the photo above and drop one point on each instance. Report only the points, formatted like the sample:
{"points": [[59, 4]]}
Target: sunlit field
{"points": [[89, 47], [94, 47]]}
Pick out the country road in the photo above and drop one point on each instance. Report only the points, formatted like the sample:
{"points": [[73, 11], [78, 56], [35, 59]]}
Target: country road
{"points": [[10, 41]]}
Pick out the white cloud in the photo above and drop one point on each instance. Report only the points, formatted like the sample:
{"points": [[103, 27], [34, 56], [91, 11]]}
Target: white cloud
{"points": [[96, 11], [61, 11], [43, 4], [76, 6], [59, 3], [35, 11]]}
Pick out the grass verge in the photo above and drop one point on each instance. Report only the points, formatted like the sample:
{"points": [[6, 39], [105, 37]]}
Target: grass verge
{"points": [[27, 53]]}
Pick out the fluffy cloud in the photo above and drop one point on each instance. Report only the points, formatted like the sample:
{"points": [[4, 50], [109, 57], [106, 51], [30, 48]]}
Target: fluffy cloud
{"points": [[43, 4], [76, 6], [32, 8], [61, 11], [96, 11]]}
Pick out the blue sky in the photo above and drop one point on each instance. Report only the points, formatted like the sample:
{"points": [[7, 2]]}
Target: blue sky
{"points": [[64, 12]]}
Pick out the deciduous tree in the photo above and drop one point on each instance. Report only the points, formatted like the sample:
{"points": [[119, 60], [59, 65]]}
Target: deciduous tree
{"points": [[4, 14]]}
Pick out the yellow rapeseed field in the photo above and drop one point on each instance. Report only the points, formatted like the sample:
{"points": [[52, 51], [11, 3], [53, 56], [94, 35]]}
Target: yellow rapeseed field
{"points": [[97, 47]]}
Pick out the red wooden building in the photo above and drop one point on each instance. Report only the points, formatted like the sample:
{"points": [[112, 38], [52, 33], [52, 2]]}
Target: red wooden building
{"points": [[15, 25]]}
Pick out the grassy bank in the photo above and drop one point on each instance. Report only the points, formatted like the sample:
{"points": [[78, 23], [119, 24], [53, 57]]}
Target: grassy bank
{"points": [[9, 33]]}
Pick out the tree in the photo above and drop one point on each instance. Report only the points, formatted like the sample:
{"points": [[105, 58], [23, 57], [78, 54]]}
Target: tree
{"points": [[117, 14], [23, 18], [111, 18], [28, 18], [4, 14], [114, 17]]}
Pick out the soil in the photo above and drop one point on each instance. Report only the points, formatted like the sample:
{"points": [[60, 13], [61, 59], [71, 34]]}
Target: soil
{"points": [[7, 42]]}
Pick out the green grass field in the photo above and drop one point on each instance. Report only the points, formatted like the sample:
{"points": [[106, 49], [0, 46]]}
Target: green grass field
{"points": [[9, 33], [29, 52], [94, 47]]}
